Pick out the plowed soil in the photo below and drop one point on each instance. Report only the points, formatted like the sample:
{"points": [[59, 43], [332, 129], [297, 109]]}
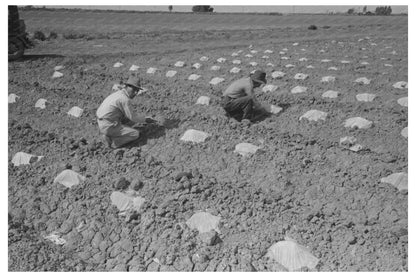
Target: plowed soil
{"points": [[301, 184]]}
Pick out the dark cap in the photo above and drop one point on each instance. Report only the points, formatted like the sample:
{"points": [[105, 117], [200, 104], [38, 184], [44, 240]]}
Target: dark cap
{"points": [[259, 76]]}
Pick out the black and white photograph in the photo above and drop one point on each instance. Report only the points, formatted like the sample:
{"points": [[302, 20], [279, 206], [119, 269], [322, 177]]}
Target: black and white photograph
{"points": [[231, 137]]}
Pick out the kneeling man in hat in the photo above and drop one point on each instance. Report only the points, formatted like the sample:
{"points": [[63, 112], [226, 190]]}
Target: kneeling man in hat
{"points": [[239, 100], [116, 117]]}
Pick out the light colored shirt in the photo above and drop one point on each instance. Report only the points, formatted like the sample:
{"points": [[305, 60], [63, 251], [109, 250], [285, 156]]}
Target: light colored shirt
{"points": [[240, 88], [116, 107]]}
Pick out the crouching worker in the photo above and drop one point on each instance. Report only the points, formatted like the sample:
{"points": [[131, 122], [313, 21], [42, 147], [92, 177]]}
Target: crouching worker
{"points": [[239, 100], [116, 116]]}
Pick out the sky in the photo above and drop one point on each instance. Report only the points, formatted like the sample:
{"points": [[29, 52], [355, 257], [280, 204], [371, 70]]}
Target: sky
{"points": [[240, 8]]}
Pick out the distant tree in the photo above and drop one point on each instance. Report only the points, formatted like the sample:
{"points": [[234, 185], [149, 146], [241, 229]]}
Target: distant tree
{"points": [[202, 9], [170, 8], [350, 11], [365, 10], [383, 10]]}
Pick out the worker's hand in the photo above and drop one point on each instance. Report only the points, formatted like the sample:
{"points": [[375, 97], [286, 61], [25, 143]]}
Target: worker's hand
{"points": [[150, 120]]}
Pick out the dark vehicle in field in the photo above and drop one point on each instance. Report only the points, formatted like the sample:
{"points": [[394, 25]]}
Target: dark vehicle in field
{"points": [[18, 40]]}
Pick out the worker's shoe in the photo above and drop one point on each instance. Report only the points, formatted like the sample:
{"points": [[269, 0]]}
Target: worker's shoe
{"points": [[107, 140]]}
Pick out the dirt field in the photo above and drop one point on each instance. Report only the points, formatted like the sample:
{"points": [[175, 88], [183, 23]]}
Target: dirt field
{"points": [[302, 183]]}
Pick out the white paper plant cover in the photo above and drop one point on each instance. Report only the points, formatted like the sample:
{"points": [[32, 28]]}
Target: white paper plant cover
{"points": [[41, 103], [364, 63], [118, 64], [75, 111], [235, 70], [215, 67], [388, 65], [327, 79], [180, 64], [303, 59], [295, 44], [284, 58], [333, 68], [310, 66], [358, 122], [69, 178], [221, 60], [216, 81], [249, 56], [125, 202], [245, 148], [404, 132], [325, 61], [13, 97], [151, 70], [253, 64], [356, 148], [203, 100], [330, 94], [236, 62], [365, 97], [194, 136], [292, 255], [400, 85], [282, 53], [170, 73], [300, 76], [193, 77], [134, 67], [272, 108], [122, 201], [298, 89], [268, 51], [398, 180], [345, 62], [285, 49], [289, 65], [278, 74], [55, 238], [347, 141], [275, 109], [362, 80], [57, 74], [196, 65], [270, 64], [204, 222], [116, 87], [265, 57], [22, 158], [235, 54], [322, 51], [314, 115], [203, 59], [58, 67], [269, 88]]}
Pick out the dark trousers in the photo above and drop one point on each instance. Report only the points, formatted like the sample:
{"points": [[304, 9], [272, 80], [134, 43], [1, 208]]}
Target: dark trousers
{"points": [[239, 108]]}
